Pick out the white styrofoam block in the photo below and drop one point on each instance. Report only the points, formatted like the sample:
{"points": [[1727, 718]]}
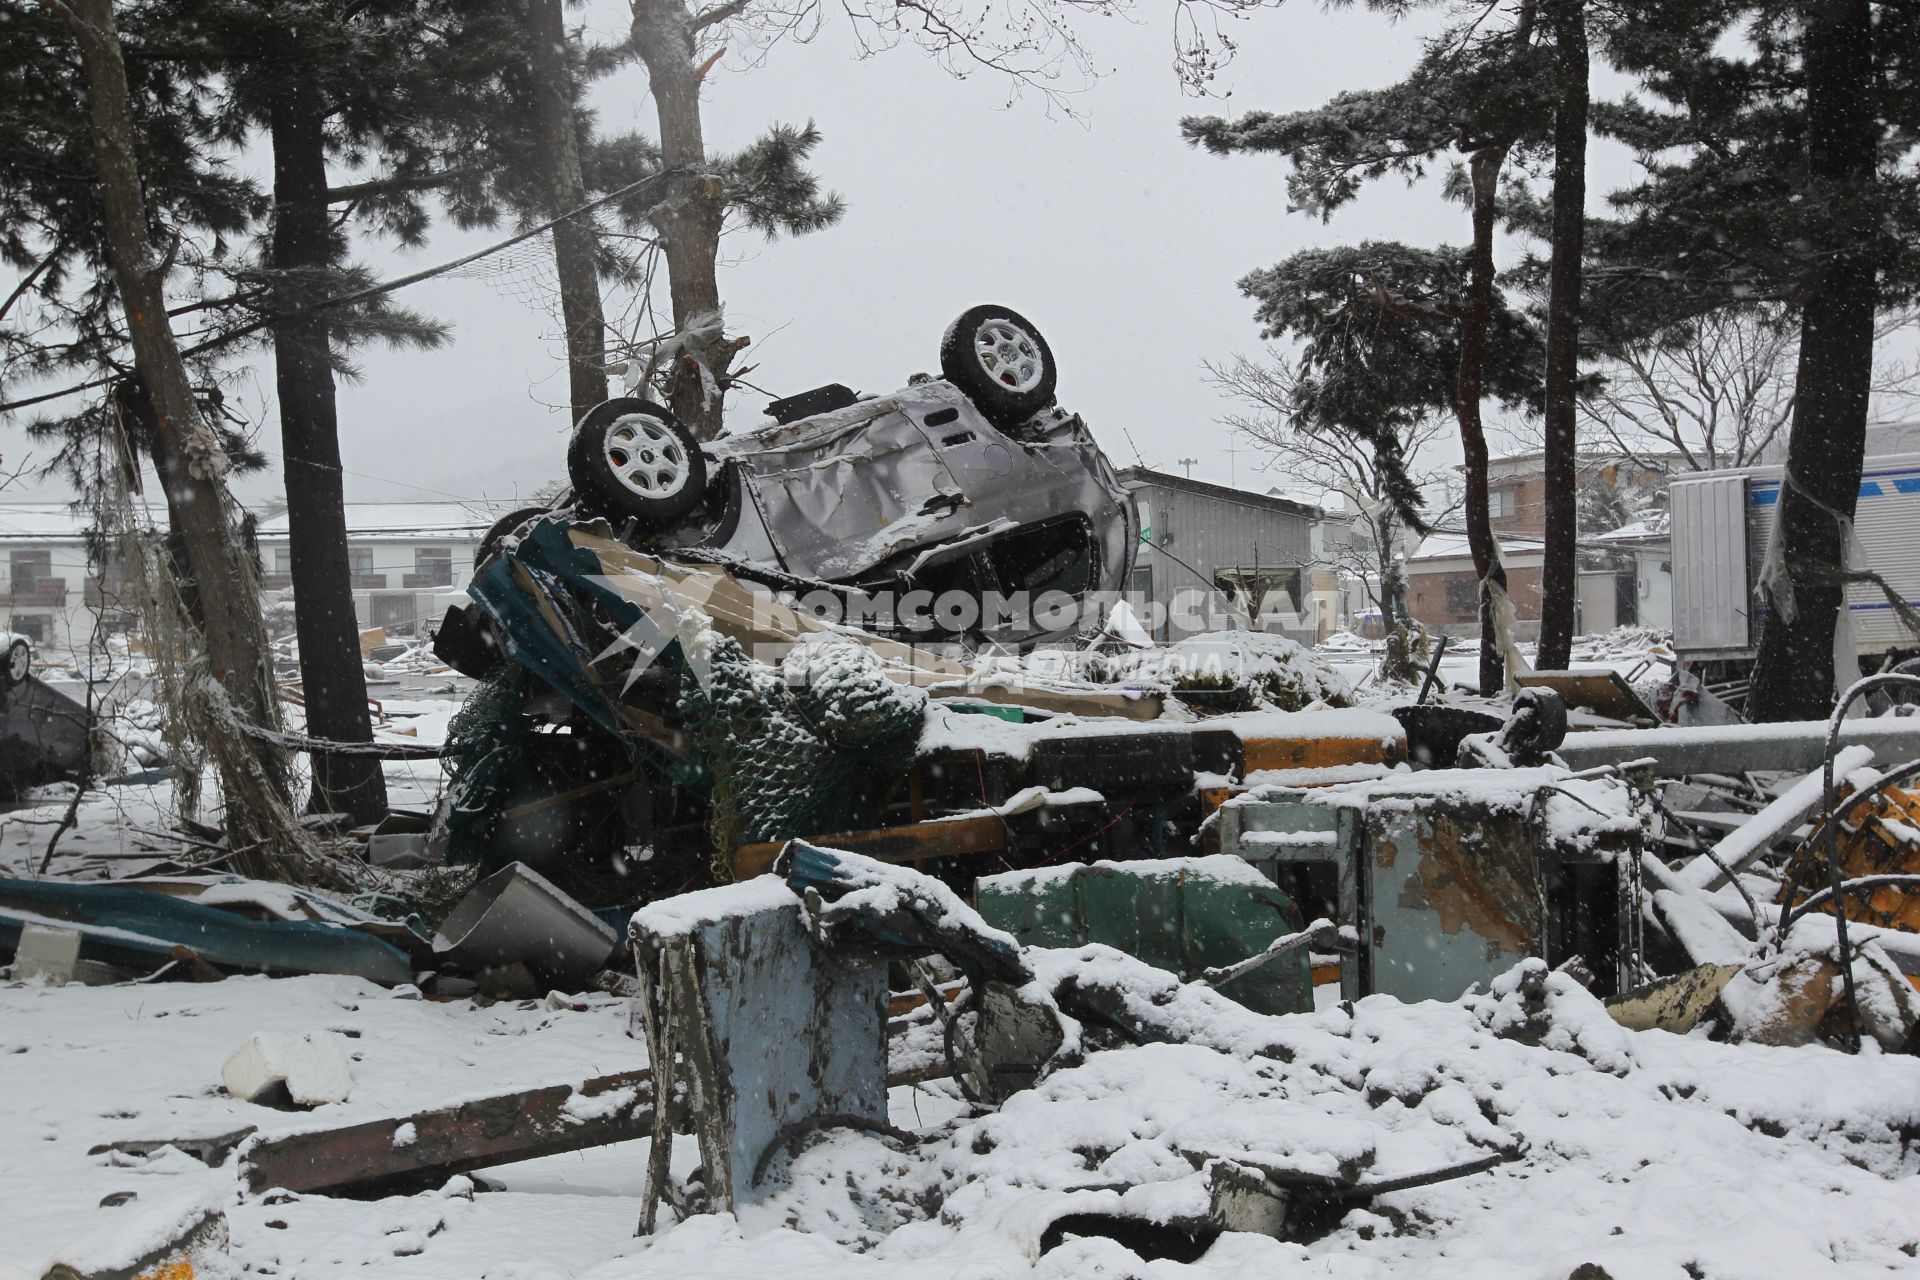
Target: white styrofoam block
{"points": [[46, 952], [313, 1066]]}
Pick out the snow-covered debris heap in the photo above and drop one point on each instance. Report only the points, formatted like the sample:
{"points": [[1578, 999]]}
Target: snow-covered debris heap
{"points": [[1637, 1152], [1456, 874], [793, 750], [1234, 671]]}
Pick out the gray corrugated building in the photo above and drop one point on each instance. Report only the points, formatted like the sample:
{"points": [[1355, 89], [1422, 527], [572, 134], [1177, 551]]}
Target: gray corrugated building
{"points": [[1200, 541]]}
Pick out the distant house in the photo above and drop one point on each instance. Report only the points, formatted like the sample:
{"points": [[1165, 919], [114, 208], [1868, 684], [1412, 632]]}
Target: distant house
{"points": [[409, 561], [52, 595], [1443, 591], [1642, 581], [1517, 486], [1208, 550], [1442, 587]]}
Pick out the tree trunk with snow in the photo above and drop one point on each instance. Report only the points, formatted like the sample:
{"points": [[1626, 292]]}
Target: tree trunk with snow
{"points": [[195, 465], [332, 674], [689, 219], [1793, 676], [1567, 21], [1484, 169], [574, 241]]}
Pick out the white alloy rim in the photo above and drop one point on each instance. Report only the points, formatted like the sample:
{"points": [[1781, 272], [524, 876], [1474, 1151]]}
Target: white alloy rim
{"points": [[1009, 354], [646, 457]]}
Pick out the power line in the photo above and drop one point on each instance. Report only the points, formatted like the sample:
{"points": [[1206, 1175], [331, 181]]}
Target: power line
{"points": [[371, 291]]}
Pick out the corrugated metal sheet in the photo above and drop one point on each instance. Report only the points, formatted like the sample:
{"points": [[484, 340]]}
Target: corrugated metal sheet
{"points": [[1886, 525], [1211, 533], [1712, 610]]}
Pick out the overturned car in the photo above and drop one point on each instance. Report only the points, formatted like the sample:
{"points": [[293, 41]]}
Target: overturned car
{"points": [[966, 509]]}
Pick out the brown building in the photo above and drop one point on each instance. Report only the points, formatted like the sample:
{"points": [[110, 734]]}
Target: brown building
{"points": [[1443, 591], [1517, 486]]}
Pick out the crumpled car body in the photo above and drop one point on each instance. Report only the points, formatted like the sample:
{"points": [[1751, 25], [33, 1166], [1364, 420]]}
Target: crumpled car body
{"points": [[917, 490]]}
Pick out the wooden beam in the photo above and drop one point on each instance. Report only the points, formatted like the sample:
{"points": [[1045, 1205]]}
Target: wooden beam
{"points": [[364, 1158], [941, 838], [449, 1140]]}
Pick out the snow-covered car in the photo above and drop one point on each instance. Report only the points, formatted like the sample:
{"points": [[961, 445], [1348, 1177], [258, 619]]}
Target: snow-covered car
{"points": [[970, 486]]}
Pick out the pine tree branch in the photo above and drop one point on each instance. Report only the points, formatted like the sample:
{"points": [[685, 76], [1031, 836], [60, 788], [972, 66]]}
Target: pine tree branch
{"points": [[27, 281], [395, 184], [1407, 306], [719, 13]]}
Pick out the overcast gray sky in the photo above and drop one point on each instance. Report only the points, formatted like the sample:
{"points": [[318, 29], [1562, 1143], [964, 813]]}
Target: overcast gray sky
{"points": [[1118, 240], [1112, 235]]}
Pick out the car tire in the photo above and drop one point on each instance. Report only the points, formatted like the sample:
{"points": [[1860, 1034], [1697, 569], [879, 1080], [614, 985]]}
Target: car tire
{"points": [[507, 524], [18, 665], [997, 356], [632, 459]]}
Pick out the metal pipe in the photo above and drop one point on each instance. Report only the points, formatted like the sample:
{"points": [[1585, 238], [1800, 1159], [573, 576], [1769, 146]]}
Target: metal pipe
{"points": [[1793, 747]]}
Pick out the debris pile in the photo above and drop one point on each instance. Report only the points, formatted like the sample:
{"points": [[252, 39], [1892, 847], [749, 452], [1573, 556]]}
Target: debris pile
{"points": [[1194, 954]]}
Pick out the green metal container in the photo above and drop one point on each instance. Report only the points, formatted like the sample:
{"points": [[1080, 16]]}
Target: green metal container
{"points": [[1185, 915]]}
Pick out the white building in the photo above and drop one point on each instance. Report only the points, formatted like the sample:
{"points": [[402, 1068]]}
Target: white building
{"points": [[410, 560], [51, 592]]}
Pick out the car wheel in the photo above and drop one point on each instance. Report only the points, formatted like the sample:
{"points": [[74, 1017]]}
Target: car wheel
{"points": [[632, 459], [1000, 360], [19, 664], [510, 523]]}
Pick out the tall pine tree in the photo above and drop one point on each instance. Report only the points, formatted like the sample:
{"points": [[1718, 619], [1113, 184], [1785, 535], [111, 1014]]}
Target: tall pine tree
{"points": [[1478, 91], [1781, 166]]}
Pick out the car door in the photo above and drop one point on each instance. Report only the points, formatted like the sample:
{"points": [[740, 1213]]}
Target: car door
{"points": [[844, 491]]}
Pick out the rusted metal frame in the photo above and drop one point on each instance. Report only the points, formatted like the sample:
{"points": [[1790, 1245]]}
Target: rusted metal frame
{"points": [[449, 1140]]}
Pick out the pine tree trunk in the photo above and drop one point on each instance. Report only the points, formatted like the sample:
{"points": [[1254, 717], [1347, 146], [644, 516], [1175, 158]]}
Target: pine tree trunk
{"points": [[1392, 585], [332, 676], [573, 240], [1793, 676], [1484, 168], [689, 218], [194, 465], [1559, 568]]}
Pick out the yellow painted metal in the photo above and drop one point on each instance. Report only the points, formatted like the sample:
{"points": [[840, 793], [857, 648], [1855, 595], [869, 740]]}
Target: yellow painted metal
{"points": [[1321, 753]]}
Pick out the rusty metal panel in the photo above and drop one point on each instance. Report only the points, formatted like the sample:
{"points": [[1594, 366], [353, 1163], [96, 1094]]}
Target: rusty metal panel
{"points": [[1455, 898], [1446, 891]]}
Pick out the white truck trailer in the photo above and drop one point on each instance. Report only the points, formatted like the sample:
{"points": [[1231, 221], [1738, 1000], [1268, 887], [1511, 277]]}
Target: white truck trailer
{"points": [[1720, 524]]}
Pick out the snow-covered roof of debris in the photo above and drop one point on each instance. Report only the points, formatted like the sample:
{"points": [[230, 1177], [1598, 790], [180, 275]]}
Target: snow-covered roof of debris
{"points": [[1447, 545], [1651, 528]]}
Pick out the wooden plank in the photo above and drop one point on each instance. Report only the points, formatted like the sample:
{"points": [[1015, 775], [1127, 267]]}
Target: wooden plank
{"points": [[941, 838], [358, 1159], [1604, 693], [1319, 753], [455, 1139]]}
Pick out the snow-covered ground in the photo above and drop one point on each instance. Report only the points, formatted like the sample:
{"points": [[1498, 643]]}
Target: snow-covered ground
{"points": [[1642, 1154], [1646, 1154]]}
